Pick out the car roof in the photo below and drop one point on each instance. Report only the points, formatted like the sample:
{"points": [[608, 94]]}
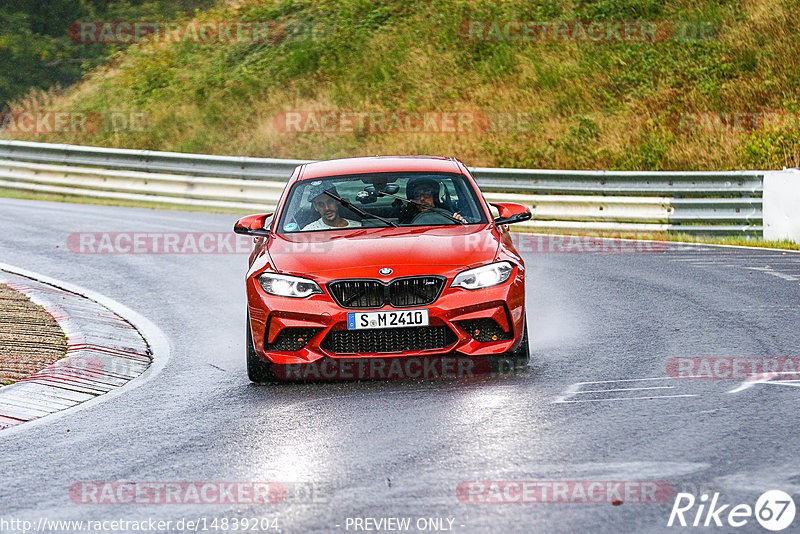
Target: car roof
{"points": [[337, 167]]}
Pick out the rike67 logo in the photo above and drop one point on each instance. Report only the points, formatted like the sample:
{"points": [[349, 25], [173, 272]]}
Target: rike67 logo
{"points": [[774, 510]]}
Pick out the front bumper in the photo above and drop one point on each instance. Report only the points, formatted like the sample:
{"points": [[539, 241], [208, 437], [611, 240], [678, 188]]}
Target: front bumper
{"points": [[481, 322]]}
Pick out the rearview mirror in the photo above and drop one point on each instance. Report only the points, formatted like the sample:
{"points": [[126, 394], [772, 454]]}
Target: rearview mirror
{"points": [[254, 225], [510, 213], [370, 193]]}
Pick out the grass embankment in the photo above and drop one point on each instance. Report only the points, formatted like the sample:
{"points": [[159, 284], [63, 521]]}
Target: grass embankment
{"points": [[571, 105]]}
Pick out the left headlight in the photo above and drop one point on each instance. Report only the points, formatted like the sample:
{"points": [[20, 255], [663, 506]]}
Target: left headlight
{"points": [[283, 285], [484, 276]]}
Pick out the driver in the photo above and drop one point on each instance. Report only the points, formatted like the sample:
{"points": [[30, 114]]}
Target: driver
{"points": [[328, 209], [426, 192]]}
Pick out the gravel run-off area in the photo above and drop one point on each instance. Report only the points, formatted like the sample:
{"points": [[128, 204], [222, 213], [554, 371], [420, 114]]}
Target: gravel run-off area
{"points": [[30, 339]]}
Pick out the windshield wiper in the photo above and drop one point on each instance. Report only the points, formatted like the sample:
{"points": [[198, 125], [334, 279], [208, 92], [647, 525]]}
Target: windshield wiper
{"points": [[348, 204], [423, 206]]}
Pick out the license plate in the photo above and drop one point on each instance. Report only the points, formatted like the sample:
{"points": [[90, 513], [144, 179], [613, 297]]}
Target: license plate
{"points": [[386, 319]]}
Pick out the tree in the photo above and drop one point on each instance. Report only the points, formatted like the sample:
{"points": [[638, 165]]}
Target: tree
{"points": [[36, 52]]}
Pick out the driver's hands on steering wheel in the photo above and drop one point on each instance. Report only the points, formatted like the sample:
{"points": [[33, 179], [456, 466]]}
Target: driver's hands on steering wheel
{"points": [[435, 216]]}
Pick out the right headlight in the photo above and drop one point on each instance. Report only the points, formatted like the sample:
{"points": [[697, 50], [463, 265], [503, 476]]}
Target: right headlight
{"points": [[483, 276], [283, 285]]}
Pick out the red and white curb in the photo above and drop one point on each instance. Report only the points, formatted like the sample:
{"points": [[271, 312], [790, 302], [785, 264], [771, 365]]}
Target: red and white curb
{"points": [[105, 351]]}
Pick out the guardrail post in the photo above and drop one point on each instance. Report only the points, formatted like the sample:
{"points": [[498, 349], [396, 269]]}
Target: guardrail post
{"points": [[782, 205]]}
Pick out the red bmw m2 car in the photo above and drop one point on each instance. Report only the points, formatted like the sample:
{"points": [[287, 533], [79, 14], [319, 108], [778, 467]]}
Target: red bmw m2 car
{"points": [[382, 257]]}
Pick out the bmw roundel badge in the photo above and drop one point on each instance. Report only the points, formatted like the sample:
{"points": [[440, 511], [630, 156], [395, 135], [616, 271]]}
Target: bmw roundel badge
{"points": [[386, 271]]}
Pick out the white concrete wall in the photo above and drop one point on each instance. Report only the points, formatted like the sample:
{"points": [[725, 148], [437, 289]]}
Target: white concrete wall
{"points": [[782, 205]]}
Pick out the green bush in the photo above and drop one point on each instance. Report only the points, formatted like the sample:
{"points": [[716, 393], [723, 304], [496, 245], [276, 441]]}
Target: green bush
{"points": [[590, 104]]}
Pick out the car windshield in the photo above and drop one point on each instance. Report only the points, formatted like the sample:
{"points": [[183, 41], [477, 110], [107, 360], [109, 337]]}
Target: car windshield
{"points": [[381, 200]]}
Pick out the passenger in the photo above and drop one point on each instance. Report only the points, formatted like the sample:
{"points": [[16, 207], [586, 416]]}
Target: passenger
{"points": [[328, 209]]}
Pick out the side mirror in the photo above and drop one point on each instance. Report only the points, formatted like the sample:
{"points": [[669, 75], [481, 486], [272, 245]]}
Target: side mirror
{"points": [[254, 225], [510, 213]]}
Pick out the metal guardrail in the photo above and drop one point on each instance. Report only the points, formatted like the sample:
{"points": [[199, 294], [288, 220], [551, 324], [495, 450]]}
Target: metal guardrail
{"points": [[724, 203], [644, 183], [150, 161]]}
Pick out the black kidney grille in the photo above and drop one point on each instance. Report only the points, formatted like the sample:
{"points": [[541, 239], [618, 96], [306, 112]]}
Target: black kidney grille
{"points": [[403, 292], [358, 293], [415, 291], [406, 339]]}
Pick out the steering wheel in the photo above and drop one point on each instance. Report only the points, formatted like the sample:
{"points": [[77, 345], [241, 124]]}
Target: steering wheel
{"points": [[432, 216]]}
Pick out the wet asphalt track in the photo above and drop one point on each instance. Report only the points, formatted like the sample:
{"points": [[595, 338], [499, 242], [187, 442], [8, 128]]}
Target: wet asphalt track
{"points": [[400, 449]]}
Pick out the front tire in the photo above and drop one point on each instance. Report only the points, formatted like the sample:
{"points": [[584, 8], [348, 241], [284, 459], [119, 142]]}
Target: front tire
{"points": [[522, 355], [258, 370]]}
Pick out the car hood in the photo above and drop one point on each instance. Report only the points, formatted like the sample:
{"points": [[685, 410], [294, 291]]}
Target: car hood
{"points": [[355, 252]]}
